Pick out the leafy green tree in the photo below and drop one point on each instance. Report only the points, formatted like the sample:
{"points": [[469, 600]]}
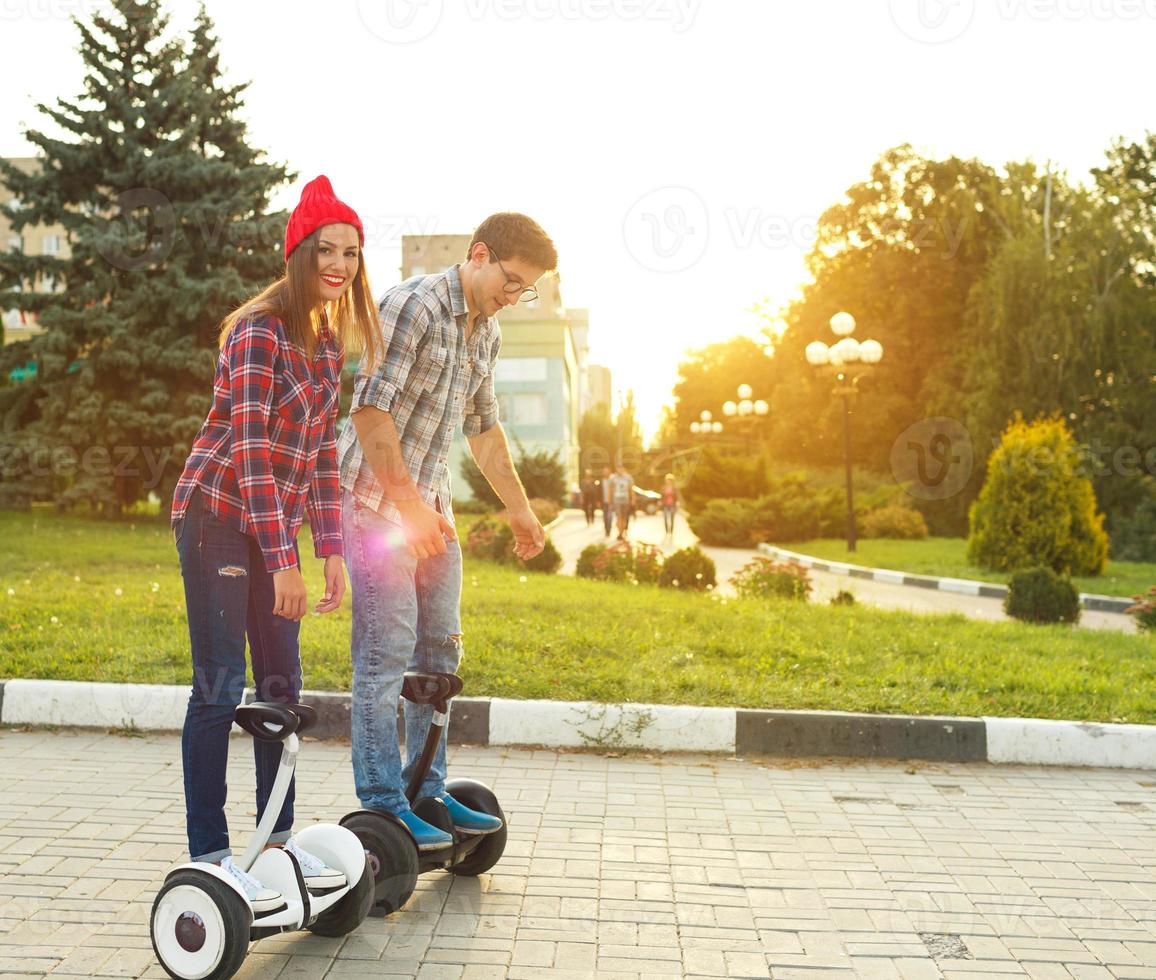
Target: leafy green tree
{"points": [[900, 252], [165, 205], [709, 377], [603, 439], [1063, 321], [597, 439]]}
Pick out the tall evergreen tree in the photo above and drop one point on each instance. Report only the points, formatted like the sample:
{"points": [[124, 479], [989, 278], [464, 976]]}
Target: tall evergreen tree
{"points": [[165, 205]]}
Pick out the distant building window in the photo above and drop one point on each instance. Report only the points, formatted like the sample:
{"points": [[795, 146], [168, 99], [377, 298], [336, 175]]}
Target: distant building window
{"points": [[530, 410], [50, 245], [15, 243], [49, 284], [521, 369]]}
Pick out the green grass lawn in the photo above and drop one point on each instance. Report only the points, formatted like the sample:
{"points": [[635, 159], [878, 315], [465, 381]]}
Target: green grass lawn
{"points": [[948, 557], [89, 600]]}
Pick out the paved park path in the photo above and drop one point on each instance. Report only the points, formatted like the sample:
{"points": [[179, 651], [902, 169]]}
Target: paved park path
{"points": [[625, 867], [572, 535]]}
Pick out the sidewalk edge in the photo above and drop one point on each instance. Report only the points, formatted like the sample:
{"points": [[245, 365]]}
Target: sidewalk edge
{"points": [[648, 727], [1088, 600]]}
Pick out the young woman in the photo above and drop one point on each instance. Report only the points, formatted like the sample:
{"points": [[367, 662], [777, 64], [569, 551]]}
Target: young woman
{"points": [[264, 456], [669, 503]]}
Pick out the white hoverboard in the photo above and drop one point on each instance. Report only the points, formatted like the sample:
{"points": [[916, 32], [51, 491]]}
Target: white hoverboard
{"points": [[202, 922]]}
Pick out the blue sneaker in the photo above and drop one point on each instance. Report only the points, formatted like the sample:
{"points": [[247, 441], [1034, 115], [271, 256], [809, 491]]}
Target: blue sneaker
{"points": [[425, 835], [467, 821]]}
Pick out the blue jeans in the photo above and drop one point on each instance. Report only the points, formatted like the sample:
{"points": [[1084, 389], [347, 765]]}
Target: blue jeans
{"points": [[406, 616], [229, 596]]}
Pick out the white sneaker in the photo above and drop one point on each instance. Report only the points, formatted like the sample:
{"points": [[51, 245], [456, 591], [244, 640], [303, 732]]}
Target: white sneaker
{"points": [[313, 869], [262, 899]]}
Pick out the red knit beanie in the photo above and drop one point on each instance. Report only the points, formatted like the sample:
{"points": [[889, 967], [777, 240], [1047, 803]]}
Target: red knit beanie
{"points": [[318, 207]]}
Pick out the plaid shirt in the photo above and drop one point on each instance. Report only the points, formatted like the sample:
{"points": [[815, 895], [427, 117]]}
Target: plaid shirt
{"points": [[430, 379], [268, 449]]}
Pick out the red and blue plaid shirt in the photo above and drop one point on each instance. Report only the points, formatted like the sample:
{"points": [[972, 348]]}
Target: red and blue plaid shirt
{"points": [[268, 448]]}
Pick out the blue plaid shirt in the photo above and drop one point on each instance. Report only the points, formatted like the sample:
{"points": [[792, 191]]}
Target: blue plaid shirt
{"points": [[430, 379]]}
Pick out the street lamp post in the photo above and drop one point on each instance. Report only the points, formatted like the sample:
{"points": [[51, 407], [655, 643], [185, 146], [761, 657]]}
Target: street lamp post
{"points": [[849, 360], [745, 410], [704, 425]]}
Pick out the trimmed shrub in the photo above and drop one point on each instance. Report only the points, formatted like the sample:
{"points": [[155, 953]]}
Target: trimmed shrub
{"points": [[548, 560], [762, 577], [1039, 595], [647, 563], [620, 562], [687, 569], [1036, 508], [725, 523], [894, 522], [1145, 610], [723, 477], [790, 510]]}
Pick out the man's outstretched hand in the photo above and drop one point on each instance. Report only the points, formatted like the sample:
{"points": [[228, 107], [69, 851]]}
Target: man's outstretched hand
{"points": [[529, 537]]}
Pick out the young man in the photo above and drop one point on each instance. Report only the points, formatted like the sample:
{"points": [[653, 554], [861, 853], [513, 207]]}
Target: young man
{"points": [[622, 492], [440, 343], [606, 484]]}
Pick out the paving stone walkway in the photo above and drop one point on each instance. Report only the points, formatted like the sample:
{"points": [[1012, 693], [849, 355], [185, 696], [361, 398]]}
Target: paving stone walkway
{"points": [[626, 867]]}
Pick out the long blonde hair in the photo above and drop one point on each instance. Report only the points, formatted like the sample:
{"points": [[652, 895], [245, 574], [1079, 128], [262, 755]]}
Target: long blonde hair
{"points": [[296, 301]]}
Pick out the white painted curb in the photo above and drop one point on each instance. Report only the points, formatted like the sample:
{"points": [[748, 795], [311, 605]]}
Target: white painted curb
{"points": [[586, 724], [95, 705], [1036, 741], [1088, 600]]}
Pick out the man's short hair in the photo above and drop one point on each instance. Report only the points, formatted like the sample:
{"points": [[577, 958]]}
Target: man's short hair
{"points": [[516, 236]]}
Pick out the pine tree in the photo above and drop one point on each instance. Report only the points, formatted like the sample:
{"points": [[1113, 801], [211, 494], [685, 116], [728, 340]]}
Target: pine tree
{"points": [[165, 207]]}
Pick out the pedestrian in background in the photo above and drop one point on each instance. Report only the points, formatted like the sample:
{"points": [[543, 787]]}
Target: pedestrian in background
{"points": [[607, 486], [589, 491], [669, 503], [622, 495]]}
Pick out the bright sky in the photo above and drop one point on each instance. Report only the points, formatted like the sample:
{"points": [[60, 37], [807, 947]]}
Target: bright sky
{"points": [[679, 152]]}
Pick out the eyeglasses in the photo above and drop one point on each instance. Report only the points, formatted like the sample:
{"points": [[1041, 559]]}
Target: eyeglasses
{"points": [[526, 294]]}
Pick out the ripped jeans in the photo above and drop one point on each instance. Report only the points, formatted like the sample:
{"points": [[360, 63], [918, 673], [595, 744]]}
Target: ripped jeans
{"points": [[229, 597], [406, 616]]}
